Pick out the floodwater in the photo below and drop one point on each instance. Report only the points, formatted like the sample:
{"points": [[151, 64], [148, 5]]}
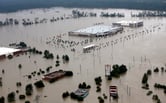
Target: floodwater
{"points": [[139, 49]]}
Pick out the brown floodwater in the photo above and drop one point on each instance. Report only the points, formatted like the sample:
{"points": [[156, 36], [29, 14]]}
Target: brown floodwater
{"points": [[139, 49]]}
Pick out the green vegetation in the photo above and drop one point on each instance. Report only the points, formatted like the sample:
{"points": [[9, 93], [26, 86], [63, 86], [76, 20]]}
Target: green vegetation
{"points": [[57, 63], [98, 89], [27, 101], [84, 86], [156, 98], [101, 100], [34, 51], [39, 84], [10, 56], [145, 79], [11, 97], [65, 58], [149, 93], [22, 45], [48, 68], [73, 96], [149, 72], [48, 55], [162, 69], [118, 70], [98, 81], [19, 66], [29, 89], [65, 94], [68, 73], [104, 95], [18, 84], [2, 99], [156, 69], [21, 97]]}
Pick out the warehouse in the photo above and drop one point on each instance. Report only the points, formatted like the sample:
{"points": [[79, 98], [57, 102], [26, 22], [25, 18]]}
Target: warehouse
{"points": [[97, 30], [128, 23]]}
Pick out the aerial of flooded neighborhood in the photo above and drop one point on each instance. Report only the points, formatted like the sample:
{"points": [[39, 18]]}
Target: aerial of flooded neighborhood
{"points": [[83, 55]]}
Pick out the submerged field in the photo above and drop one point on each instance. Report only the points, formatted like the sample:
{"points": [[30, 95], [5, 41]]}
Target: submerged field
{"points": [[139, 49]]}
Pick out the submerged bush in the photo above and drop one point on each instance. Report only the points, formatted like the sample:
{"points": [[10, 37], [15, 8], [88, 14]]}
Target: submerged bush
{"points": [[11, 97], [145, 78], [39, 84]]}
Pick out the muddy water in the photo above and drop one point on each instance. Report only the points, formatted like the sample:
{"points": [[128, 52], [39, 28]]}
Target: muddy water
{"points": [[137, 49]]}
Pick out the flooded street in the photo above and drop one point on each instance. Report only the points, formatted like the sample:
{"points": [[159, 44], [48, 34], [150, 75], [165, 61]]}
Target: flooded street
{"points": [[139, 49]]}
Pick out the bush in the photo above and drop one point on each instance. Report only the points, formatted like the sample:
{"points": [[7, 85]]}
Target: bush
{"points": [[10, 56], [65, 58], [145, 79], [101, 100], [164, 91], [57, 65], [69, 73], [21, 96], [19, 66], [118, 70], [162, 69], [18, 84], [2, 99], [73, 96], [29, 89], [39, 84], [149, 72], [109, 77], [48, 55], [98, 80], [65, 94], [149, 93], [23, 45], [11, 97], [27, 101], [155, 97], [98, 89], [156, 69]]}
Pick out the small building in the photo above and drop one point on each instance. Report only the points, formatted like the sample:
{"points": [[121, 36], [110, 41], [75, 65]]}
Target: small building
{"points": [[97, 30], [129, 23], [88, 47]]}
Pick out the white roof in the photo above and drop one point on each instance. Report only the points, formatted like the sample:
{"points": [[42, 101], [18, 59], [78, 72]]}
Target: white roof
{"points": [[88, 46], [5, 50], [126, 23], [96, 29]]}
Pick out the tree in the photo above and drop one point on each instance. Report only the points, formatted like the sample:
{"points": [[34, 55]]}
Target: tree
{"points": [[23, 45], [2, 99], [11, 97], [19, 66], [29, 89], [39, 84], [65, 58], [145, 79]]}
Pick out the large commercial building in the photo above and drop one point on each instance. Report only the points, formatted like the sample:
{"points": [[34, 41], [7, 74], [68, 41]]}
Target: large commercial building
{"points": [[97, 30], [128, 23]]}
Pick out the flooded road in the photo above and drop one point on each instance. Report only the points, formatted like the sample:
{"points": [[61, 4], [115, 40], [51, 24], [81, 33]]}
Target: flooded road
{"points": [[139, 49]]}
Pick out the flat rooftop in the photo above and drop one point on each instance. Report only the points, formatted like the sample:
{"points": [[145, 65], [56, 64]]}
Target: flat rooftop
{"points": [[96, 29], [126, 23], [5, 50]]}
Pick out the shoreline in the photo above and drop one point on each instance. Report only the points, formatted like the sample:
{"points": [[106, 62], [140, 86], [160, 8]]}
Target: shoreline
{"points": [[10, 8]]}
